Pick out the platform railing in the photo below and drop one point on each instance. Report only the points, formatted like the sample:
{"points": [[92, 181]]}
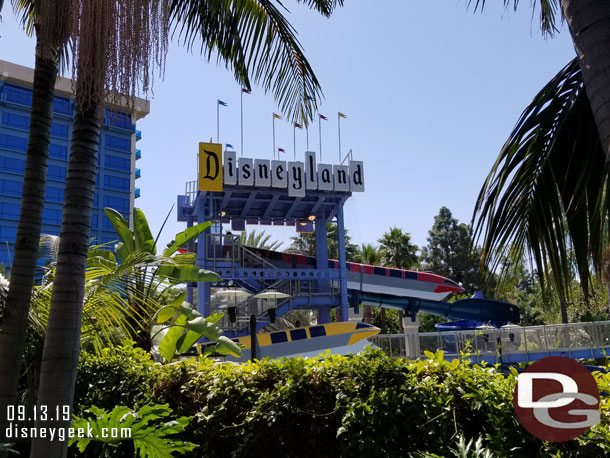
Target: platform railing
{"points": [[508, 344]]}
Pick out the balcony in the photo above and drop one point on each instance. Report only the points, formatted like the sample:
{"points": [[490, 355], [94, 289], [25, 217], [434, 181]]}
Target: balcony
{"points": [[138, 135], [137, 192], [138, 154], [138, 173]]}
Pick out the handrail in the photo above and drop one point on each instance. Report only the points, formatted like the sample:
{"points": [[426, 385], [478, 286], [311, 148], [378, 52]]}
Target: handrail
{"points": [[515, 342]]}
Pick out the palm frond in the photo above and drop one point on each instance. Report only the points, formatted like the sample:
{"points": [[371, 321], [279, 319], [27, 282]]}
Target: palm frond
{"points": [[255, 40], [549, 10], [547, 191]]}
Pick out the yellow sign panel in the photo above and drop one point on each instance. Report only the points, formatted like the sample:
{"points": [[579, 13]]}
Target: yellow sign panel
{"points": [[210, 167]]}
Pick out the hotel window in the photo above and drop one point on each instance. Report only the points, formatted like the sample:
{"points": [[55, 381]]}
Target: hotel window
{"points": [[18, 95], [59, 130], [51, 216], [58, 152], [13, 143], [116, 183], [8, 234], [62, 105], [118, 143], [117, 203], [11, 188], [94, 221], [118, 163], [9, 211], [54, 194], [16, 121], [118, 119], [56, 173], [9, 164]]}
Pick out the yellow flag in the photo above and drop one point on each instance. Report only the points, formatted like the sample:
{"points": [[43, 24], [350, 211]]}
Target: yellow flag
{"points": [[341, 115], [210, 167], [277, 116]]}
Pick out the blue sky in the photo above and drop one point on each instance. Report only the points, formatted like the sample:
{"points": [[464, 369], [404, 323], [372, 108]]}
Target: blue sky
{"points": [[431, 91]]}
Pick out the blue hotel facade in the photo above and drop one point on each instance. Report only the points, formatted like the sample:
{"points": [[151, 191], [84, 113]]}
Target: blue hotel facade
{"points": [[117, 171]]}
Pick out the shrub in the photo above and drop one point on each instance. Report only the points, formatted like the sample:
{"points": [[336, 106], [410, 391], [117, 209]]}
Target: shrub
{"points": [[367, 405]]}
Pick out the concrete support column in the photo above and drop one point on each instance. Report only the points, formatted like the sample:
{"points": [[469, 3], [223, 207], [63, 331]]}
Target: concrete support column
{"points": [[322, 264], [412, 349], [203, 288], [342, 314]]}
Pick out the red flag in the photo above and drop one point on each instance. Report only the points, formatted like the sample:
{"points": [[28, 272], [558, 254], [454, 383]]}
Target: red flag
{"points": [[323, 117], [297, 125], [243, 89], [281, 150]]}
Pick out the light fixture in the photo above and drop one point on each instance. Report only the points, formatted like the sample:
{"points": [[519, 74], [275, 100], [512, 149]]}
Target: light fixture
{"points": [[303, 223], [311, 217], [223, 213]]}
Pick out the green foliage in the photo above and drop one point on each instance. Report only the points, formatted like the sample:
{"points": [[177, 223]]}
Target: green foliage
{"points": [[258, 240], [306, 244], [147, 430], [365, 405], [121, 375], [397, 250], [427, 322], [184, 326], [547, 194], [449, 254]]}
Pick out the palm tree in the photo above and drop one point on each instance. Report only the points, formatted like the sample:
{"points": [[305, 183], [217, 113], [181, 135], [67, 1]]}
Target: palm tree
{"points": [[260, 240], [50, 21], [547, 192], [251, 37], [397, 250], [369, 254], [589, 25]]}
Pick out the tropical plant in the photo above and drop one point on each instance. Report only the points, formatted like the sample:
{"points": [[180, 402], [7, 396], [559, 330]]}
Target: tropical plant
{"points": [[546, 194], [112, 56], [260, 240], [305, 243], [369, 254], [182, 326], [397, 250], [49, 19], [589, 25], [146, 285], [147, 430]]}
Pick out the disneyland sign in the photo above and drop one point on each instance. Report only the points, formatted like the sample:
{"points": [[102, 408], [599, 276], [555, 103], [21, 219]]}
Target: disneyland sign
{"points": [[295, 176]]}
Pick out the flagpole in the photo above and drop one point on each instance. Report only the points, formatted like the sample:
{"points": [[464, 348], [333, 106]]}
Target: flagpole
{"points": [[217, 122], [339, 126], [307, 134], [278, 156], [242, 121], [320, 135], [294, 141]]}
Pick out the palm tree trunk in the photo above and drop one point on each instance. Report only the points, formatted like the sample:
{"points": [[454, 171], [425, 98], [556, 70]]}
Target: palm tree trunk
{"points": [[62, 341], [589, 24], [564, 310], [15, 321]]}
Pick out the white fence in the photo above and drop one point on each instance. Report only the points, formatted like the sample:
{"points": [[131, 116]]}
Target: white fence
{"points": [[507, 344]]}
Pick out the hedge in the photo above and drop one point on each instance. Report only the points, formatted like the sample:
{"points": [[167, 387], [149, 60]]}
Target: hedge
{"points": [[334, 406]]}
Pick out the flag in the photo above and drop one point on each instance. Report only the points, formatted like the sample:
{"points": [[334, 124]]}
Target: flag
{"points": [[323, 117], [341, 115], [298, 126], [229, 145], [224, 104], [246, 91], [277, 116], [281, 150]]}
